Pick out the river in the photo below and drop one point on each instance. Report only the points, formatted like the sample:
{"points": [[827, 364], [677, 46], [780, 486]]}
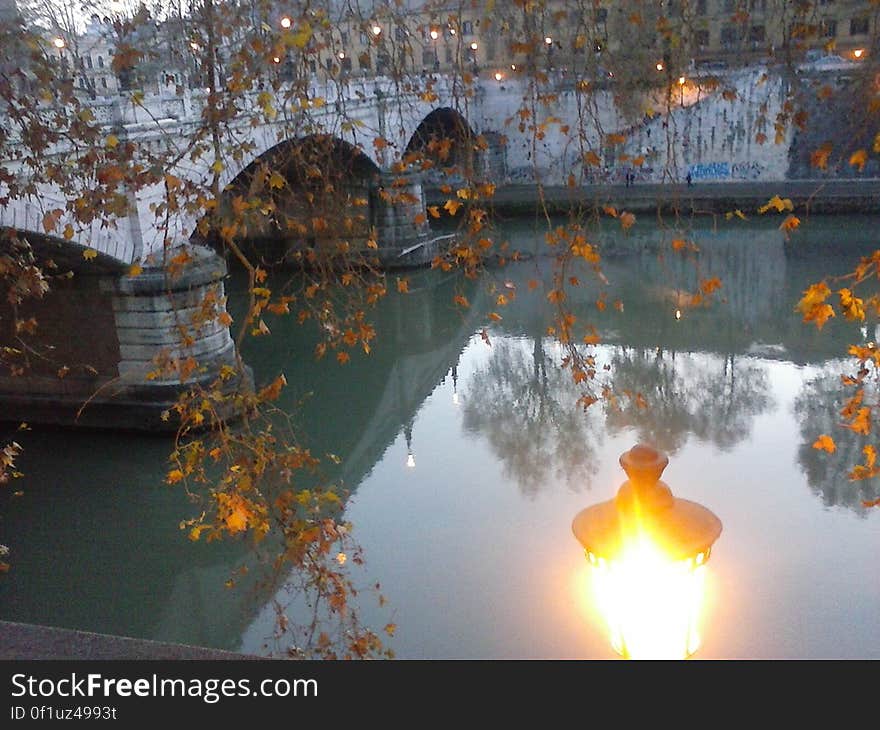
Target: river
{"points": [[467, 460]]}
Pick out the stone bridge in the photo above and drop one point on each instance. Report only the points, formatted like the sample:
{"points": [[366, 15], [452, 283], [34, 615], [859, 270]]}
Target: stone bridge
{"points": [[122, 321]]}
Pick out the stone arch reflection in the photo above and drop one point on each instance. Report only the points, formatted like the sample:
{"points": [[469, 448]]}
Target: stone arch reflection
{"points": [[817, 407]]}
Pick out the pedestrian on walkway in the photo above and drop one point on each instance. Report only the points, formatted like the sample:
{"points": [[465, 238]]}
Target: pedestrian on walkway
{"points": [[690, 180]]}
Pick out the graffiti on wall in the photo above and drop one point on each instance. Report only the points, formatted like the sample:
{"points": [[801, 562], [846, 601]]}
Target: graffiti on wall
{"points": [[746, 170], [710, 171]]}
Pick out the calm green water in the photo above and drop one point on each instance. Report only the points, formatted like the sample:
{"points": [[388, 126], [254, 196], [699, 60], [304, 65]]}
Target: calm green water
{"points": [[472, 545]]}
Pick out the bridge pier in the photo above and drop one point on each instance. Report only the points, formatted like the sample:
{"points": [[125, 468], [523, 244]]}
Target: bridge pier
{"points": [[397, 212], [108, 335]]}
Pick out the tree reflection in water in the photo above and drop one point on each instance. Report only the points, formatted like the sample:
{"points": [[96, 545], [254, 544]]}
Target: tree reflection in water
{"points": [[526, 407], [817, 407], [687, 394]]}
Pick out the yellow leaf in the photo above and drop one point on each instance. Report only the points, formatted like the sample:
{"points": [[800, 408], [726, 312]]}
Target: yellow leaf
{"points": [[218, 166], [858, 159], [174, 476], [89, 254], [452, 206], [68, 232], [135, 270], [111, 141], [276, 181]]}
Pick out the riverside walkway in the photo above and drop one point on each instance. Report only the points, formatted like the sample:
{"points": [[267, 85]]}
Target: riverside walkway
{"points": [[853, 195]]}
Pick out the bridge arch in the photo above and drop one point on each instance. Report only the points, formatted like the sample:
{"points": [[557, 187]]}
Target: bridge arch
{"points": [[304, 192], [445, 143]]}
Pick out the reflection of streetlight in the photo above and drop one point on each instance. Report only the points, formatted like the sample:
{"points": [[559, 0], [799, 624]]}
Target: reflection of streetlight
{"points": [[410, 457], [648, 550]]}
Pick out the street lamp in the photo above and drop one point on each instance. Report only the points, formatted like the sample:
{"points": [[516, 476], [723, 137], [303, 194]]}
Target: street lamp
{"points": [[286, 22], [498, 76], [548, 40], [435, 34], [58, 42], [659, 66], [376, 29], [859, 52], [474, 46], [648, 550]]}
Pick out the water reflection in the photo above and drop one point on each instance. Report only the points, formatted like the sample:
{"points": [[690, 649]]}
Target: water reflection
{"points": [[525, 406], [698, 395], [817, 408]]}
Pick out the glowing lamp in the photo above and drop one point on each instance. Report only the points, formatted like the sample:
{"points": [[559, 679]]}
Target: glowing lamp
{"points": [[474, 46], [58, 43], [341, 55], [376, 29], [435, 34], [859, 52], [648, 551], [548, 40], [286, 22], [498, 76], [659, 66], [681, 80]]}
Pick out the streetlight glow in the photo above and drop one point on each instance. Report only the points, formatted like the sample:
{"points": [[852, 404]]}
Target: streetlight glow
{"points": [[286, 22], [434, 34], [58, 43], [859, 52], [548, 40], [659, 66], [681, 80], [341, 55], [648, 551], [498, 76], [377, 29], [474, 46], [195, 46]]}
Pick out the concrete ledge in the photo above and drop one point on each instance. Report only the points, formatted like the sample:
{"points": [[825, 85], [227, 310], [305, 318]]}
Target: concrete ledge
{"points": [[29, 641]]}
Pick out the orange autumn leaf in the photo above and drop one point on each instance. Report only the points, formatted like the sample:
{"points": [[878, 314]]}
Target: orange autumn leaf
{"points": [[858, 159], [707, 286], [825, 443], [403, 286]]}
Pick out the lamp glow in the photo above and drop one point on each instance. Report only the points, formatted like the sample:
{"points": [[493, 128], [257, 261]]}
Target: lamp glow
{"points": [[659, 66], [859, 52], [58, 43], [376, 29], [678, 314], [341, 55], [286, 22], [548, 40], [681, 80], [474, 46], [434, 34], [498, 76], [648, 552]]}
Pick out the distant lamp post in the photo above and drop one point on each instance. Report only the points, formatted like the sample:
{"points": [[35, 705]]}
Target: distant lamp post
{"points": [[859, 52], [474, 46], [659, 66], [648, 550], [58, 42], [548, 40], [682, 80], [341, 55], [286, 22], [435, 34], [499, 76], [194, 46], [376, 29]]}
